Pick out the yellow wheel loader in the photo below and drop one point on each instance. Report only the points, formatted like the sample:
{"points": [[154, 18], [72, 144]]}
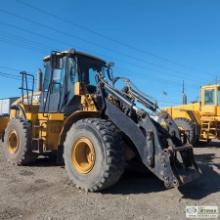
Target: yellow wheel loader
{"points": [[84, 115], [199, 120]]}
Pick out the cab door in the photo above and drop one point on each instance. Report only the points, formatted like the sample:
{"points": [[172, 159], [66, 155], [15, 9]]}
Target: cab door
{"points": [[209, 101], [51, 98]]}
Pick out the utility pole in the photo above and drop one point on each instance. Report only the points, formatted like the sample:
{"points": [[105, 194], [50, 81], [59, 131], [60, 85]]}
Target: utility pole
{"points": [[184, 96]]}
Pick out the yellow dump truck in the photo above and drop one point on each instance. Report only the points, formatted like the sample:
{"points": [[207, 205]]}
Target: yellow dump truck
{"points": [[200, 120]]}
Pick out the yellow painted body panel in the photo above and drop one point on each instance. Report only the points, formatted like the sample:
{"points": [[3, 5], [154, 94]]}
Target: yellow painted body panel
{"points": [[51, 116], [46, 126], [50, 126], [180, 111], [3, 123], [50, 131], [207, 115], [77, 88]]}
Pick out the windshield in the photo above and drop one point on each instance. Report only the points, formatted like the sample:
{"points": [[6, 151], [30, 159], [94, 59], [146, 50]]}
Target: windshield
{"points": [[210, 97], [87, 69]]}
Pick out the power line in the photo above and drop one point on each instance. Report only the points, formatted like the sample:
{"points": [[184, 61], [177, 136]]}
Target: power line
{"points": [[27, 42], [35, 33], [12, 76], [143, 61], [11, 68], [32, 32], [31, 47], [16, 77], [27, 45], [9, 76], [100, 34]]}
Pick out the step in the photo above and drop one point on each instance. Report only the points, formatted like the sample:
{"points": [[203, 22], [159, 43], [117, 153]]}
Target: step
{"points": [[37, 145]]}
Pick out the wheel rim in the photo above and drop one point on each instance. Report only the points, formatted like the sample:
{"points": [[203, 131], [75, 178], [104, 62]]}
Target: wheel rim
{"points": [[83, 155], [13, 142]]}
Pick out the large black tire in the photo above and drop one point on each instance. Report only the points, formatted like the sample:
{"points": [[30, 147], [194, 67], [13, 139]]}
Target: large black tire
{"points": [[189, 128], [17, 142], [109, 154]]}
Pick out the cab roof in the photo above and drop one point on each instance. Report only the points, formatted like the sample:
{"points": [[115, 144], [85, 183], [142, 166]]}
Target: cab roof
{"points": [[73, 52], [210, 86]]}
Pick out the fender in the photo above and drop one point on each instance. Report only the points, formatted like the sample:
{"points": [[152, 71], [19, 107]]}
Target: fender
{"points": [[20, 108], [75, 116]]}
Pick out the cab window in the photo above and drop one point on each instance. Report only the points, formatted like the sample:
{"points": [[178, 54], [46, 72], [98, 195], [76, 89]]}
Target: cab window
{"points": [[92, 77], [218, 96], [47, 76], [58, 75], [209, 97], [54, 76], [58, 78]]}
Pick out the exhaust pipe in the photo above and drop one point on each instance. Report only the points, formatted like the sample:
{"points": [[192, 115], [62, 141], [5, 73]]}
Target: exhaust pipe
{"points": [[39, 80]]}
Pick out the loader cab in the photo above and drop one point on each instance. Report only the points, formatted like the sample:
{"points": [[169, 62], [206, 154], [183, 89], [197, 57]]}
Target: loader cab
{"points": [[66, 74], [210, 100]]}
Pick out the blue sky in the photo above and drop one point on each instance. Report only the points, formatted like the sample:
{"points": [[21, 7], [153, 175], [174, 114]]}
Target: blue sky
{"points": [[156, 43]]}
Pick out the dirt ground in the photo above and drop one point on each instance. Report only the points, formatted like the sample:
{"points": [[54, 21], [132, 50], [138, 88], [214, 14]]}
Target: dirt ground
{"points": [[44, 192]]}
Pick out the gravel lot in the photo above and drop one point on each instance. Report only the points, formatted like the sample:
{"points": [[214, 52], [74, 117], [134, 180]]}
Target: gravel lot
{"points": [[44, 191]]}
